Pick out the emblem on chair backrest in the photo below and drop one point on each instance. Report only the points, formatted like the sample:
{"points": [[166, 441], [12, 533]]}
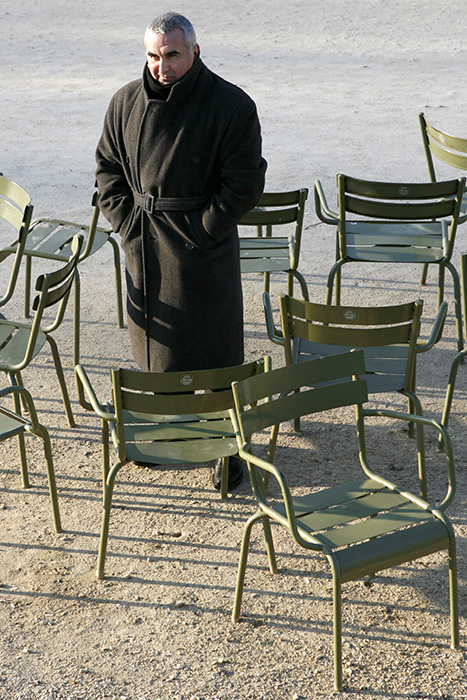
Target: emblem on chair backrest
{"points": [[186, 380], [349, 315]]}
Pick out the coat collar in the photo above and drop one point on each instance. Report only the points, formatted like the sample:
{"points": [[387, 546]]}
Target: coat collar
{"points": [[182, 88]]}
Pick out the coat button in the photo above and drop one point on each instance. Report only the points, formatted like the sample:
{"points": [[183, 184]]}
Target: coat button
{"points": [[189, 246]]}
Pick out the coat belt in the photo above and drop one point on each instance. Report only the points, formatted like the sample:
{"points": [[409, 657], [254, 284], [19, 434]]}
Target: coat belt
{"points": [[150, 204]]}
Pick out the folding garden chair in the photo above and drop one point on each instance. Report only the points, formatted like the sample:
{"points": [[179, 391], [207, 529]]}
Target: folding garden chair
{"points": [[360, 527], [12, 424], [268, 252], [21, 342], [164, 418], [382, 222]]}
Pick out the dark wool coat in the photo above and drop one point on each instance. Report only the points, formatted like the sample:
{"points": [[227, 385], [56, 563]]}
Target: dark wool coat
{"points": [[175, 177]]}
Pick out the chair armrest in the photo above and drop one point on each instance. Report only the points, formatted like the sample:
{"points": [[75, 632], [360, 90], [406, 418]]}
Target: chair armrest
{"points": [[322, 210], [436, 331], [274, 333], [27, 398], [85, 389], [447, 445]]}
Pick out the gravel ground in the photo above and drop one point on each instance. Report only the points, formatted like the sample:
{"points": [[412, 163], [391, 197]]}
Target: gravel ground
{"points": [[338, 89]]}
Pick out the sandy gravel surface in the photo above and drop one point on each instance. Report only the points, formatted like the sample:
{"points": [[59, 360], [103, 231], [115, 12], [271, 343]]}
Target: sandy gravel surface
{"points": [[339, 86]]}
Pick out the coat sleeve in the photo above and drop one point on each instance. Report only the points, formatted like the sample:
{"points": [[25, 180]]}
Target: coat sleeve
{"points": [[242, 172], [116, 199]]}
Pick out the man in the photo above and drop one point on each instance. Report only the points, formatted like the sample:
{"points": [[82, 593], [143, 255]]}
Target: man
{"points": [[178, 164]]}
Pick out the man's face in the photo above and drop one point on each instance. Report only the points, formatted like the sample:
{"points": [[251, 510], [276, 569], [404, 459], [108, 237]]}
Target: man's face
{"points": [[168, 57]]}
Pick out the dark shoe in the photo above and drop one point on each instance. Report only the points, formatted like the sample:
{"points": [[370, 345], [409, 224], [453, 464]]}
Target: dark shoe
{"points": [[235, 473]]}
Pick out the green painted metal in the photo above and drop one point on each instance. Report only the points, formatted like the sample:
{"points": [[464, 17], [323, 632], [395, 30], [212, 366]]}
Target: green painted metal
{"points": [[51, 239], [21, 342], [165, 418], [15, 209], [397, 223], [360, 527], [13, 423], [268, 252]]}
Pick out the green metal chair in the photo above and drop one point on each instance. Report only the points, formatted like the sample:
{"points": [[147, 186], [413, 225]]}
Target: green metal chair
{"points": [[21, 342], [388, 336], [268, 252], [447, 149], [51, 239], [164, 418], [15, 210], [360, 527], [12, 424], [382, 222]]}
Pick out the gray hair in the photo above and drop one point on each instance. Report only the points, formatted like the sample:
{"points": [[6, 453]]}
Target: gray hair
{"points": [[171, 20]]}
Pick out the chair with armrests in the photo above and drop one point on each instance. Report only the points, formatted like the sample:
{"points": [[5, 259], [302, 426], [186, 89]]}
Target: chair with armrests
{"points": [[164, 418], [21, 342], [361, 527], [388, 336], [448, 149], [50, 239], [15, 210], [380, 222], [268, 252], [12, 424]]}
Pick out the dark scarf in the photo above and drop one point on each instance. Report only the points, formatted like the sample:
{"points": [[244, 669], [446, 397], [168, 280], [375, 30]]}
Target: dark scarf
{"points": [[158, 91]]}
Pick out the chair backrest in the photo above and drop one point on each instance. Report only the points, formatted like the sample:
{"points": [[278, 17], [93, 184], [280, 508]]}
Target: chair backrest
{"points": [[16, 209], [279, 209], [176, 417], [446, 148], [89, 244], [387, 335], [291, 392], [54, 289], [398, 202]]}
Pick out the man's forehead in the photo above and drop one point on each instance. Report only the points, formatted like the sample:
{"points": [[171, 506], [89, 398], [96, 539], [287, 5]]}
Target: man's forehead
{"points": [[174, 39]]}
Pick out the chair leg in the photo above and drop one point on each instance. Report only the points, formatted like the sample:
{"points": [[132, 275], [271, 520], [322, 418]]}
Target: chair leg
{"points": [[337, 626], [27, 286], [334, 280], [107, 505], [44, 435], [457, 302], [450, 392], [105, 455], [118, 281], [242, 563], [225, 477], [270, 546], [453, 590], [415, 406], [61, 381], [76, 319], [21, 446], [23, 460], [424, 274]]}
